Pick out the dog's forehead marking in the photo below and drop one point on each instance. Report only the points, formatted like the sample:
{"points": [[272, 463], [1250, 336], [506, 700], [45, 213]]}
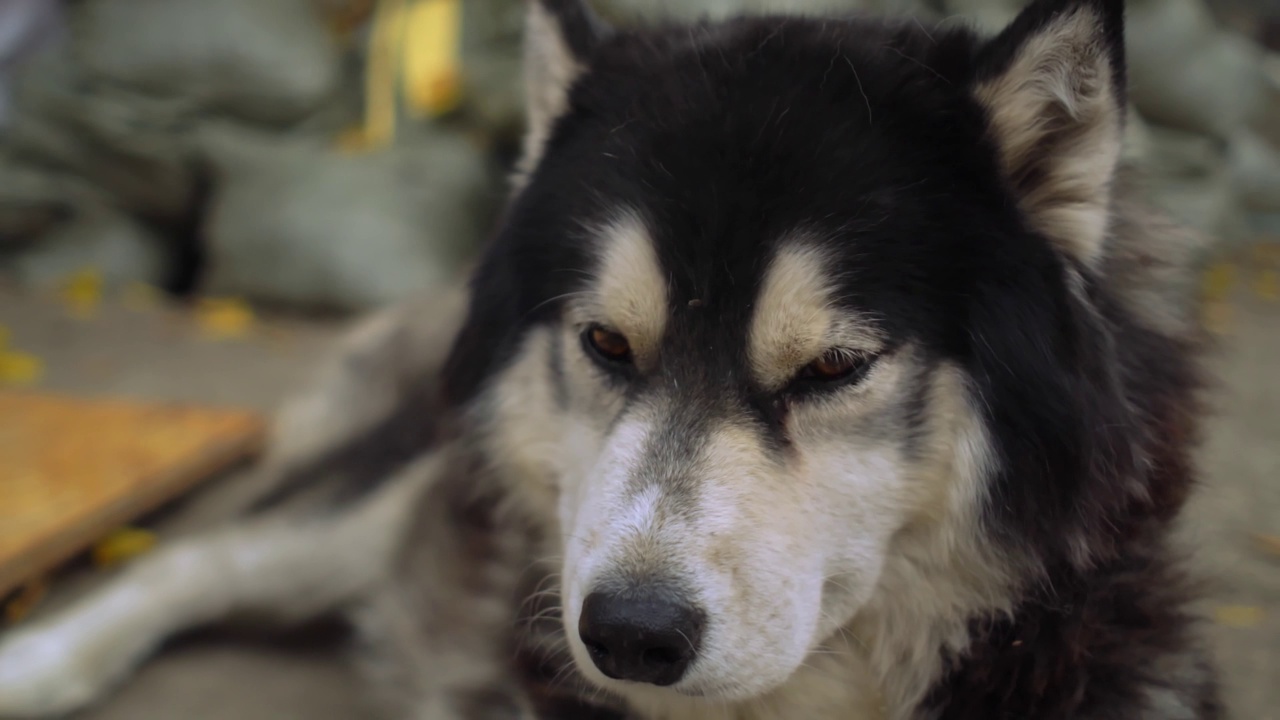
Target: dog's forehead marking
{"points": [[629, 291], [795, 319]]}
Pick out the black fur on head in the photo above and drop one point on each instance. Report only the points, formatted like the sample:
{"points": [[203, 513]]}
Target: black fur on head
{"points": [[889, 141]]}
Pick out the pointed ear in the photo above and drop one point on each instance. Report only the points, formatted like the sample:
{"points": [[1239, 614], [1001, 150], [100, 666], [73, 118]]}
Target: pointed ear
{"points": [[1053, 86], [560, 36]]}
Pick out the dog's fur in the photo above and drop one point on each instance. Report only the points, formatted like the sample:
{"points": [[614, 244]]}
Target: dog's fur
{"points": [[974, 523]]}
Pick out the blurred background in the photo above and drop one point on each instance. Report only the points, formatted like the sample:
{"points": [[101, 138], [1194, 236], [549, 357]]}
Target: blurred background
{"points": [[197, 195]]}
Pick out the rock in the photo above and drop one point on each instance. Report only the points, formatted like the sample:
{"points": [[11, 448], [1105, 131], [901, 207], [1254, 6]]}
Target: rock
{"points": [[267, 61], [299, 223]]}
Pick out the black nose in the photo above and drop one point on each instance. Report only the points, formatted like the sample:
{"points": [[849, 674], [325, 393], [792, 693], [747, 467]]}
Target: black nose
{"points": [[649, 637]]}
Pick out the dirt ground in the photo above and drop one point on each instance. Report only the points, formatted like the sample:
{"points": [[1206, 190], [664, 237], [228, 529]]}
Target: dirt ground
{"points": [[151, 354]]}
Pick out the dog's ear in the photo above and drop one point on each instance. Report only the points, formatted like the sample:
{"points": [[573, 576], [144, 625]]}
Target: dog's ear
{"points": [[560, 37], [1053, 87]]}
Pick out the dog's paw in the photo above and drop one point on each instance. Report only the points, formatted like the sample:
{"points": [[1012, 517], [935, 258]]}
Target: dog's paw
{"points": [[47, 673]]}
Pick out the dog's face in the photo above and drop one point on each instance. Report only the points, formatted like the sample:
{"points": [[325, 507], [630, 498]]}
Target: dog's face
{"points": [[765, 307]]}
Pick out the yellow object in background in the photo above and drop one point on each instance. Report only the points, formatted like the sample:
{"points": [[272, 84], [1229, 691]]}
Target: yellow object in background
{"points": [[1239, 616], [123, 545], [20, 369], [17, 368], [414, 46], [1219, 280], [82, 292], [223, 318], [432, 50]]}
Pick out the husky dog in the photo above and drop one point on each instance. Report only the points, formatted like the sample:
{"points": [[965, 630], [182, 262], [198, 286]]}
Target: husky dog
{"points": [[819, 369]]}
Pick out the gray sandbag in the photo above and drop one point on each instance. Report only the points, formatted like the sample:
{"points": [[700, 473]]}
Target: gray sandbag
{"points": [[1267, 124], [130, 145], [35, 201], [492, 42], [696, 9], [1189, 177], [269, 61], [1205, 204], [990, 16], [1186, 72], [1255, 168], [25, 25], [1137, 139], [296, 222], [99, 238]]}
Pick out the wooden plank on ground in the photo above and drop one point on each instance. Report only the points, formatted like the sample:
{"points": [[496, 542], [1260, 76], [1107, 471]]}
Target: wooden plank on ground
{"points": [[73, 470]]}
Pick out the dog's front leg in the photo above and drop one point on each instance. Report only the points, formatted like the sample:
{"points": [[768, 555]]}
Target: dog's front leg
{"points": [[287, 569], [440, 632]]}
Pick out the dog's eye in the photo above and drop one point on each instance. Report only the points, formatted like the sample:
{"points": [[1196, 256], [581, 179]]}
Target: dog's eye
{"points": [[607, 345], [834, 366]]}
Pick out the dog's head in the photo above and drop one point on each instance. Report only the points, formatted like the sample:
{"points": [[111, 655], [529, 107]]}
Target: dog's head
{"points": [[781, 302]]}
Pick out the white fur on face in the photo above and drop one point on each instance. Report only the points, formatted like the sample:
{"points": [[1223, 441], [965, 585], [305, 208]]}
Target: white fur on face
{"points": [[788, 553]]}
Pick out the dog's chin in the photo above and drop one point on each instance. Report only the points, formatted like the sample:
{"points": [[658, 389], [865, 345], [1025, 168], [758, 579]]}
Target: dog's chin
{"points": [[685, 699], [690, 692]]}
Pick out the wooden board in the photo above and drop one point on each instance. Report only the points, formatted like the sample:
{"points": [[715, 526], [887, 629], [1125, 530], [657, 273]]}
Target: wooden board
{"points": [[72, 471]]}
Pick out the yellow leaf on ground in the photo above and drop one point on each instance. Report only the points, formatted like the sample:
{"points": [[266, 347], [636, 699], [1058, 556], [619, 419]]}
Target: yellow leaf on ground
{"points": [[20, 368], [123, 545], [1238, 616], [222, 318], [82, 292]]}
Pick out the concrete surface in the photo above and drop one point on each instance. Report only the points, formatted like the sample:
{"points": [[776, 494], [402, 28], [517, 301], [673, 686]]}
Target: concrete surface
{"points": [[215, 677]]}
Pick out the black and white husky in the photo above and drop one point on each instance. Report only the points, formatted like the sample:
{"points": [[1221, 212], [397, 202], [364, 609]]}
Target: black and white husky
{"points": [[819, 369]]}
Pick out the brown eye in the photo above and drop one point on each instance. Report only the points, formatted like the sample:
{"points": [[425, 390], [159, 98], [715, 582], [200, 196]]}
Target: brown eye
{"points": [[834, 365], [608, 345]]}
